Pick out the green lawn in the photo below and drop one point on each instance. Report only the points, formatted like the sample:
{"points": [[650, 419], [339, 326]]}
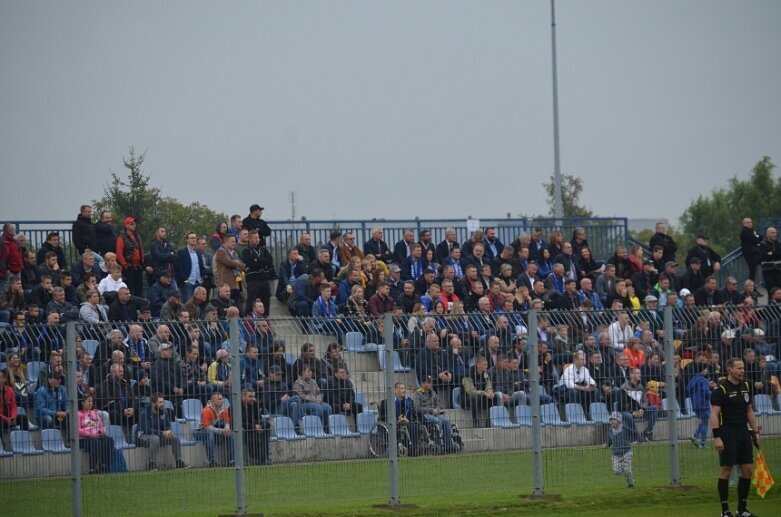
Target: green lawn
{"points": [[485, 483]]}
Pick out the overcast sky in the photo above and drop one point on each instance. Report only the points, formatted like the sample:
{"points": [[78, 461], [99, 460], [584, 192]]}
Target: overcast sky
{"points": [[385, 109]]}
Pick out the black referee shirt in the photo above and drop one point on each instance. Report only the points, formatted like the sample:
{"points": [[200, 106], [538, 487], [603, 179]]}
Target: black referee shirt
{"points": [[734, 400]]}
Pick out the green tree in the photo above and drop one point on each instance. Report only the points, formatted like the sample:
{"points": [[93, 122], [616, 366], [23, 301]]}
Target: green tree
{"points": [[133, 196], [571, 188], [719, 214]]}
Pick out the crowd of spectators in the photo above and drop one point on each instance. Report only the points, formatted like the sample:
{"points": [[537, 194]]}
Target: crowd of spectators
{"points": [[460, 322]]}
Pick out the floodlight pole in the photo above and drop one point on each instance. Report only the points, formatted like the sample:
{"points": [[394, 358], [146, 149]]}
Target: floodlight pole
{"points": [[558, 207]]}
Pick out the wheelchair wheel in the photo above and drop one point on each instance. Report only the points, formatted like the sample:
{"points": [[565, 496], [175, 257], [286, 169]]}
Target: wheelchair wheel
{"points": [[378, 441], [436, 440], [404, 441]]}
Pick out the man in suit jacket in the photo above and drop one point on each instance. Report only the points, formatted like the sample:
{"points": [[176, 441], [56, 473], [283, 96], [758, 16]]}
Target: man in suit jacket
{"points": [[378, 247], [289, 270], [403, 248], [188, 266], [444, 247], [493, 246]]}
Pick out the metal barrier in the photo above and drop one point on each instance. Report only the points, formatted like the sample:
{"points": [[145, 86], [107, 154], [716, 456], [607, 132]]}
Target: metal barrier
{"points": [[603, 233], [499, 402]]}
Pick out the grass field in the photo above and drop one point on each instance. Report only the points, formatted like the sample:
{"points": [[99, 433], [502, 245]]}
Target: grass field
{"points": [[474, 484]]}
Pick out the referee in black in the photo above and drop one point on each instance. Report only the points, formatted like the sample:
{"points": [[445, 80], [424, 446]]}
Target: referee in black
{"points": [[731, 415]]}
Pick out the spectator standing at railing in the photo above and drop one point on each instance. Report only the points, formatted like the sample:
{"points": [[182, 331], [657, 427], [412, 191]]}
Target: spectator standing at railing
{"points": [[105, 234], [10, 256], [228, 267], [770, 259], [254, 221], [260, 271], [749, 246], [661, 238], [84, 230], [130, 255], [711, 261], [189, 266]]}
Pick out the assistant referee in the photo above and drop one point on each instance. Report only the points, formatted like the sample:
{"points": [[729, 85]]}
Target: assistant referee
{"points": [[731, 415]]}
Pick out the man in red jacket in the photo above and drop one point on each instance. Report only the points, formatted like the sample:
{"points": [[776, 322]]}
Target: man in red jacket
{"points": [[10, 255], [130, 255]]}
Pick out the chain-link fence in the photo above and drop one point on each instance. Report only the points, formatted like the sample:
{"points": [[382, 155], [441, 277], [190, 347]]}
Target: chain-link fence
{"points": [[345, 412]]}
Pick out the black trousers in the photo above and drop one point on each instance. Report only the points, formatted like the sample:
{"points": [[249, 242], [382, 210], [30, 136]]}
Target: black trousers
{"points": [[134, 278], [258, 289]]}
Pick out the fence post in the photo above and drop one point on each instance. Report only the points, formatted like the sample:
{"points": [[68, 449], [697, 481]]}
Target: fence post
{"points": [[672, 398], [237, 424], [534, 385], [73, 416], [390, 413]]}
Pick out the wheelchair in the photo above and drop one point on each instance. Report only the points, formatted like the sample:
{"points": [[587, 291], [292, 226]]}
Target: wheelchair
{"points": [[430, 440]]}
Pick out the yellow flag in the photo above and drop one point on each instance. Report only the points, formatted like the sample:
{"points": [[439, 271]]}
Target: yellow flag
{"points": [[761, 477]]}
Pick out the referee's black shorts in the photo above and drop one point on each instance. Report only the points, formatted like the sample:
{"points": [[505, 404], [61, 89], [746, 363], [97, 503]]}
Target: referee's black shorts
{"points": [[737, 447]]}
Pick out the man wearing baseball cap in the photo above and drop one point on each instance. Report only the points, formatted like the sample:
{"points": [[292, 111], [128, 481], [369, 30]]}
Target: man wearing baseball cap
{"points": [[130, 255], [711, 261], [254, 222]]}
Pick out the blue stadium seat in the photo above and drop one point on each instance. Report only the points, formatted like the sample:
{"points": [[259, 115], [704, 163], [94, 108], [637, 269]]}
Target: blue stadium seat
{"points": [[763, 405], [90, 346], [365, 422], [178, 430], [285, 430], [51, 441], [354, 341], [115, 432], [500, 418], [313, 427], [33, 370], [550, 415], [397, 366], [22, 443], [575, 414], [191, 410], [456, 397], [523, 414], [170, 406], [599, 412], [339, 426], [678, 413], [4, 453]]}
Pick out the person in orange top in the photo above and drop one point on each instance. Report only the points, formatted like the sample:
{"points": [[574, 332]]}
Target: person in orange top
{"points": [[635, 355], [215, 427]]}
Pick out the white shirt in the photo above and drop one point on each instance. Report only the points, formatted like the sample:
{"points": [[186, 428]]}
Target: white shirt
{"points": [[573, 376], [108, 284], [619, 337]]}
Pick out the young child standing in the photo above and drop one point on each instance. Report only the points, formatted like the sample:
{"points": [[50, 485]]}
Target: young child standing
{"points": [[699, 392], [620, 438]]}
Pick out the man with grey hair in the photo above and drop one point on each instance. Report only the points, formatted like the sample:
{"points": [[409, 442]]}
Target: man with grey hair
{"points": [[378, 247], [444, 247], [770, 259]]}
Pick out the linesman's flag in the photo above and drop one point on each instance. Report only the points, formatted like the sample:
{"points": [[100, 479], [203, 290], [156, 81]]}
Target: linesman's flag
{"points": [[761, 477]]}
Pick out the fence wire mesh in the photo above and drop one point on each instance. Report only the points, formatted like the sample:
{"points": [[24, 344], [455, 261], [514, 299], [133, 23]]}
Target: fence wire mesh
{"points": [[157, 402]]}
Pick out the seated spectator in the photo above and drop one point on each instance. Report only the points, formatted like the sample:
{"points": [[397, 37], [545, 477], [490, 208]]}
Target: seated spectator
{"points": [[223, 302], [311, 398], [95, 314], [194, 379], [278, 358], [9, 415], [305, 291], [166, 375], [138, 352], [289, 271], [154, 431], [340, 394], [162, 336], [257, 432], [478, 391], [124, 308], [426, 403], [277, 397], [17, 379], [12, 299], [50, 338], [92, 437], [213, 331], [324, 313], [406, 415], [307, 358], [197, 303], [252, 376], [634, 405], [214, 429], [576, 384], [333, 359], [708, 295], [433, 362], [112, 283], [41, 294], [117, 397], [50, 267], [504, 382], [89, 283], [51, 404], [219, 372], [80, 269]]}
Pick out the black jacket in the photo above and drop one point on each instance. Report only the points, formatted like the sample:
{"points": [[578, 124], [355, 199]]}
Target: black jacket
{"points": [[105, 238], [259, 264], [84, 234]]}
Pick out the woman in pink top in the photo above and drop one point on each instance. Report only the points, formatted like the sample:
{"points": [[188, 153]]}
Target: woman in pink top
{"points": [[92, 436]]}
